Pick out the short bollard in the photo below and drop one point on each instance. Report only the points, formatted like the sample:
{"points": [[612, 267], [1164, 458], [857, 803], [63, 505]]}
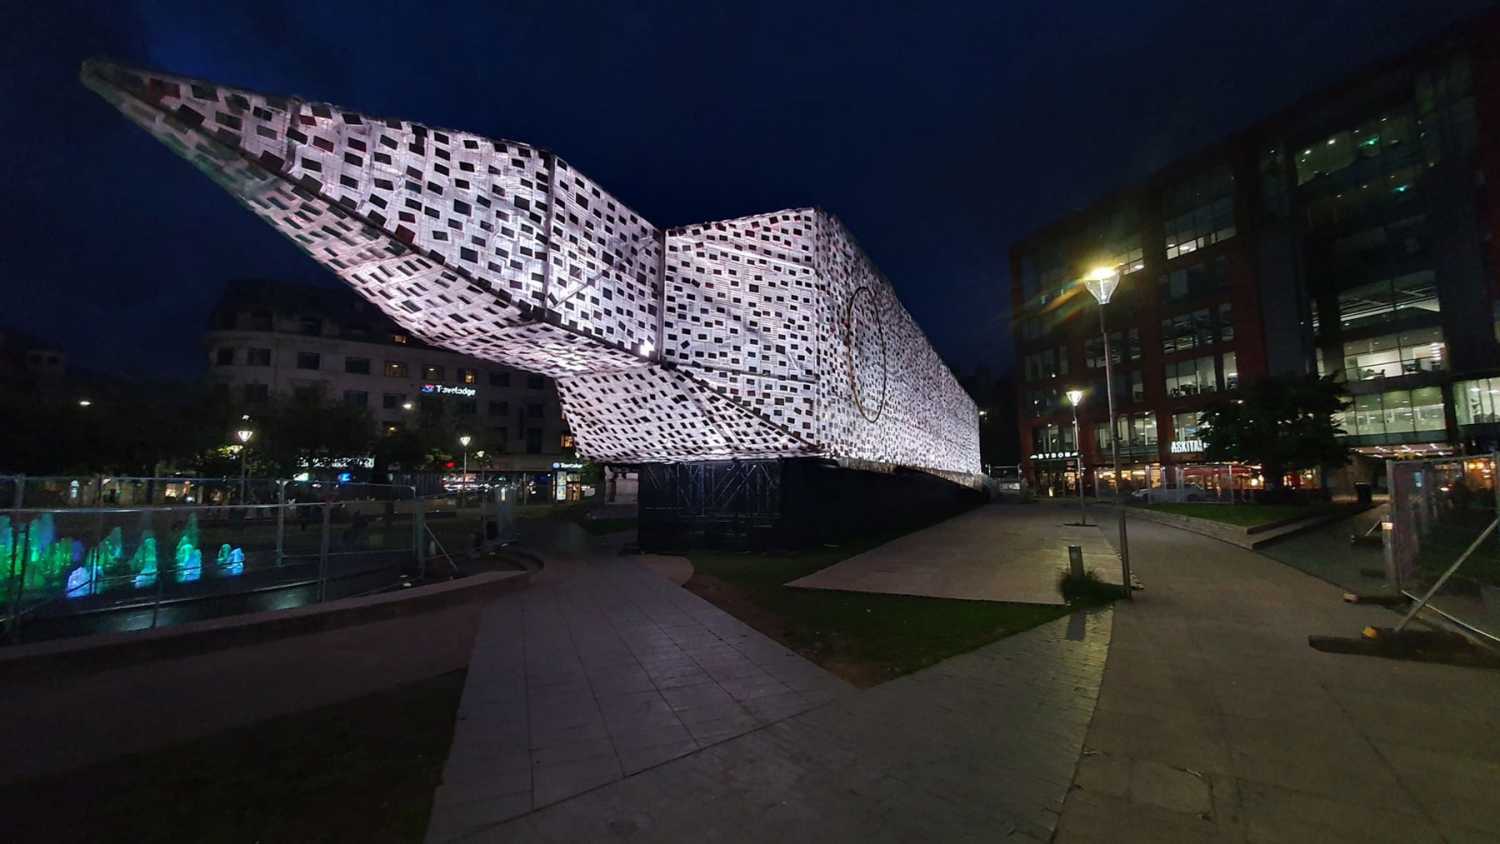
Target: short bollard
{"points": [[1075, 561]]}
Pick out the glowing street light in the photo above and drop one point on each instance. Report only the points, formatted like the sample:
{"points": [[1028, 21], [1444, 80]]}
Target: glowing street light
{"points": [[463, 485], [244, 435], [84, 402], [406, 405], [1075, 398], [1101, 283]]}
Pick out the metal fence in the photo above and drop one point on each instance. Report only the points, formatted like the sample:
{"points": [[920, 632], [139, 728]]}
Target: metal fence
{"points": [[85, 568], [1439, 540]]}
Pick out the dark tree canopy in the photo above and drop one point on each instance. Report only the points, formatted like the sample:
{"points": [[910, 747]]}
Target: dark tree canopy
{"points": [[1282, 422]]}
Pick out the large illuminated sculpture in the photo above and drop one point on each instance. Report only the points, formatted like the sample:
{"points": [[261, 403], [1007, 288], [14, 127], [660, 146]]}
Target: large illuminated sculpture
{"points": [[770, 336]]}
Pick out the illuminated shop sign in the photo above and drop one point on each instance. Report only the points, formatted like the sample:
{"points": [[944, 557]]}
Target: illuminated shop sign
{"points": [[1186, 446], [445, 390], [569, 466], [1055, 455]]}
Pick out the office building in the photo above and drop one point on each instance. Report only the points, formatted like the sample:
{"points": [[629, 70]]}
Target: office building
{"points": [[1349, 235]]}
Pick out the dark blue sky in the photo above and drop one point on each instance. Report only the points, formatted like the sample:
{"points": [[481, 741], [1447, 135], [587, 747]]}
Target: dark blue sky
{"points": [[939, 132]]}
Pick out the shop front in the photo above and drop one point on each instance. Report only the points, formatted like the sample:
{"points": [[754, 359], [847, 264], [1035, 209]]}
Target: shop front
{"points": [[1054, 474]]}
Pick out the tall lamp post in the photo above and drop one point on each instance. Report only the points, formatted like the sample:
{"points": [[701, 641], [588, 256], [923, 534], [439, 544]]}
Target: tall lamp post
{"points": [[464, 484], [244, 434], [1075, 397], [1101, 283]]}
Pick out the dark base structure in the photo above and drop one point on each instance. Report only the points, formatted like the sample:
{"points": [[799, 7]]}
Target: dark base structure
{"points": [[787, 503]]}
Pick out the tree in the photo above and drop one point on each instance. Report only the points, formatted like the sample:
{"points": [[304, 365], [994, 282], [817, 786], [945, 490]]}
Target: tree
{"points": [[1281, 422]]}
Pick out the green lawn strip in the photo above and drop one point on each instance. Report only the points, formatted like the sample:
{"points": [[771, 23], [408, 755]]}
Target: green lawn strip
{"points": [[1243, 515], [866, 638], [363, 770]]}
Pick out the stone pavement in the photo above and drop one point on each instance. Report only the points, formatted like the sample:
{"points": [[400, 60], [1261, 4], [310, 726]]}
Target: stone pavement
{"points": [[600, 670], [665, 719], [1000, 552], [1217, 722]]}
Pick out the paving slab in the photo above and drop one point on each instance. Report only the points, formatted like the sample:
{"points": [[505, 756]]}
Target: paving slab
{"points": [[999, 552], [603, 669], [1217, 722]]}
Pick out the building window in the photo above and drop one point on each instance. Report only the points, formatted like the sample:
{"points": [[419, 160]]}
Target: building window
{"points": [[356, 398], [1411, 296], [258, 357], [309, 360], [1393, 355], [224, 356], [534, 411], [257, 393], [1137, 430], [502, 436], [468, 376], [392, 401], [1052, 439], [1186, 427], [1231, 371], [399, 339], [432, 373], [533, 440], [311, 326], [1048, 363], [1191, 377], [499, 379], [1122, 346], [1202, 279], [1226, 323], [1199, 212], [1399, 413], [467, 407], [536, 382], [499, 408], [357, 366], [395, 369], [567, 441], [1477, 402], [308, 394], [1188, 331], [1043, 401]]}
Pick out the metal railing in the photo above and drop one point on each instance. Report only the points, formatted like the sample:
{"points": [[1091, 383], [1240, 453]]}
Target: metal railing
{"points": [[79, 569]]}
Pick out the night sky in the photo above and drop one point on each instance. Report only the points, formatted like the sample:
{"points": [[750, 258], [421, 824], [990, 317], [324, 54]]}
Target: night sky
{"points": [[938, 132]]}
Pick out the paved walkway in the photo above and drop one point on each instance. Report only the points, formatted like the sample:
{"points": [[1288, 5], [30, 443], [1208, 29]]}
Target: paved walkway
{"points": [[1217, 722], [664, 719], [1001, 552], [603, 669]]}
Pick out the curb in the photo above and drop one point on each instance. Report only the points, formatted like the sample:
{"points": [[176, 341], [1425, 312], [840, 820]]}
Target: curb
{"points": [[115, 650]]}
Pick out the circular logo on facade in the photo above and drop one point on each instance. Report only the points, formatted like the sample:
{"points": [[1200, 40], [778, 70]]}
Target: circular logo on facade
{"points": [[865, 340]]}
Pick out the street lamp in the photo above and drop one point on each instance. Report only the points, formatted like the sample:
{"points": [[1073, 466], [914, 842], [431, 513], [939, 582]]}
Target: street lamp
{"points": [[1075, 397], [244, 434], [463, 485], [1101, 283]]}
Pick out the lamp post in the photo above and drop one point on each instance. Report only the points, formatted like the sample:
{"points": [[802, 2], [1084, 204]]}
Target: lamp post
{"points": [[244, 434], [463, 485], [1101, 283], [1075, 397]]}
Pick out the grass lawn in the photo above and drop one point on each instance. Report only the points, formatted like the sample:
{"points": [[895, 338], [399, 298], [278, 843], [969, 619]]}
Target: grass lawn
{"points": [[1244, 515], [363, 770], [864, 638]]}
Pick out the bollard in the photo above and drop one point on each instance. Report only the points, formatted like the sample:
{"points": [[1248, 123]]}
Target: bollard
{"points": [[1075, 562]]}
